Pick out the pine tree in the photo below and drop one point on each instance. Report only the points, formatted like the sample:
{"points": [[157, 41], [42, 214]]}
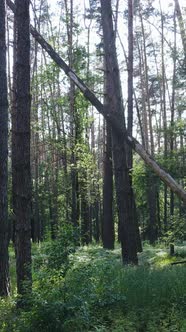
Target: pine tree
{"points": [[21, 175], [4, 236]]}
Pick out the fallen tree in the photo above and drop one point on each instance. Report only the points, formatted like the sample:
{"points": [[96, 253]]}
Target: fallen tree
{"points": [[111, 118], [180, 262]]}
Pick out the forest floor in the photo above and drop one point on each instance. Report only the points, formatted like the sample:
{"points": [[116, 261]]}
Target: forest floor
{"points": [[88, 290]]}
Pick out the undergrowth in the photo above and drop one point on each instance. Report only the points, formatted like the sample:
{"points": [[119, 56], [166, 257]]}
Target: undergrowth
{"points": [[89, 290]]}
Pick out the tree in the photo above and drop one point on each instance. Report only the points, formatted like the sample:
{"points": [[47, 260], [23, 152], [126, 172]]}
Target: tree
{"points": [[181, 25], [172, 138], [37, 203], [21, 175], [4, 236], [130, 68], [108, 220], [74, 175], [127, 231], [147, 120]]}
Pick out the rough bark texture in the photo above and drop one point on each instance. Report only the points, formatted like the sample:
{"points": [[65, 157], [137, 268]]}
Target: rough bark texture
{"points": [[121, 172], [85, 225], [108, 222], [144, 85], [130, 77], [21, 149], [4, 267], [110, 117]]}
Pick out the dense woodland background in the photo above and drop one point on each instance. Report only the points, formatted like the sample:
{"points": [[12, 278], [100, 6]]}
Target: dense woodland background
{"points": [[68, 143], [86, 91]]}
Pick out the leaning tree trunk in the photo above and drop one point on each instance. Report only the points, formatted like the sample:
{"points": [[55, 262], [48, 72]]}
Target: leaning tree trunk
{"points": [[110, 117], [21, 150], [4, 238]]}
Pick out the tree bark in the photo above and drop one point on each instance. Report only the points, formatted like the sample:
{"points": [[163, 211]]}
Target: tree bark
{"points": [[143, 83], [108, 222], [21, 151], [36, 218], [4, 236], [121, 172], [130, 76], [181, 25]]}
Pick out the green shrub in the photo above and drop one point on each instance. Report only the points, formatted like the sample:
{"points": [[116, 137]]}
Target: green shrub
{"points": [[96, 293], [55, 254], [8, 314]]}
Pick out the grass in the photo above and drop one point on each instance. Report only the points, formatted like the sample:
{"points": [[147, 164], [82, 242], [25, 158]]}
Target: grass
{"points": [[96, 293]]}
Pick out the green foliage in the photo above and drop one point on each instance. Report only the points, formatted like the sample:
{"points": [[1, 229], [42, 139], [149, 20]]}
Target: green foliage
{"points": [[177, 229], [7, 314], [98, 294], [55, 254], [143, 179]]}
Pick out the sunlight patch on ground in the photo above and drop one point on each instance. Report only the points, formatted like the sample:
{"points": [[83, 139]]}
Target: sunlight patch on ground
{"points": [[161, 253]]}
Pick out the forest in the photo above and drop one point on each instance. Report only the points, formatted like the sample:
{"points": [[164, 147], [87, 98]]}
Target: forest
{"points": [[92, 166]]}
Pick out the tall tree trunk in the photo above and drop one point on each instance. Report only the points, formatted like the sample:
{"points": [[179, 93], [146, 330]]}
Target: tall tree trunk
{"points": [[151, 188], [94, 192], [181, 25], [115, 105], [130, 77], [36, 215], [4, 236], [35, 224], [108, 222], [69, 24], [172, 139], [85, 227], [21, 150], [145, 140], [163, 101], [130, 115]]}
